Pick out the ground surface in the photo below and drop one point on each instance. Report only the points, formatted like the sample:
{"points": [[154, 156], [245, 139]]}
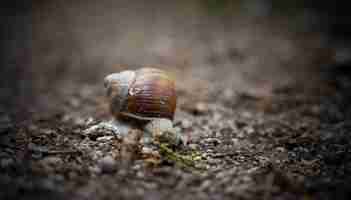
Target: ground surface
{"points": [[293, 144]]}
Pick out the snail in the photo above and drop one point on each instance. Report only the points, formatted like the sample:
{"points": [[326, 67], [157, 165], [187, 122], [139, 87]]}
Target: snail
{"points": [[144, 98]]}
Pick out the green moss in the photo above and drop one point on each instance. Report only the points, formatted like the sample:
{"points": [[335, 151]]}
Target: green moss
{"points": [[190, 161]]}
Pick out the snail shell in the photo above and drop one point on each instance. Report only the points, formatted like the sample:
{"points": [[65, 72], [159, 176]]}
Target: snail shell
{"points": [[143, 94]]}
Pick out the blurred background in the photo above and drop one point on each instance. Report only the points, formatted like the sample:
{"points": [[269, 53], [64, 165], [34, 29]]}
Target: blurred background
{"points": [[253, 46]]}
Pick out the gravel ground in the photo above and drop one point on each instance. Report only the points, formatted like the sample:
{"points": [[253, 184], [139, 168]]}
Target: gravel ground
{"points": [[293, 144]]}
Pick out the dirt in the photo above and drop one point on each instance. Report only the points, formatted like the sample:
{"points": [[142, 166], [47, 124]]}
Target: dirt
{"points": [[290, 145]]}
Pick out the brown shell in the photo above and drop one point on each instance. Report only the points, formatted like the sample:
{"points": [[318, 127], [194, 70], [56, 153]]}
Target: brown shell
{"points": [[151, 95]]}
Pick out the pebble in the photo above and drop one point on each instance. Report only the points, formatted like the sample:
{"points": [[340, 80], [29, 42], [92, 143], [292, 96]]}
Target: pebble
{"points": [[105, 138], [213, 141], [280, 149], [146, 150], [201, 108], [205, 185], [95, 170], [212, 161], [249, 130], [106, 128], [52, 160], [228, 94], [89, 121], [186, 123], [235, 141], [240, 135], [48, 131], [107, 164]]}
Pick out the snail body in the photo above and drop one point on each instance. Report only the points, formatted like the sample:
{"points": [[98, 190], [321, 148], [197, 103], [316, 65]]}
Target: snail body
{"points": [[146, 96]]}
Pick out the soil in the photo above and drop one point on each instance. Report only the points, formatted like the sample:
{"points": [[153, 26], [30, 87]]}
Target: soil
{"points": [[293, 144]]}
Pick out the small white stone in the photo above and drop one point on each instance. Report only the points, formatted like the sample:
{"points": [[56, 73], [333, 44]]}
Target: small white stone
{"points": [[107, 164], [114, 126], [146, 150], [186, 123], [104, 138]]}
